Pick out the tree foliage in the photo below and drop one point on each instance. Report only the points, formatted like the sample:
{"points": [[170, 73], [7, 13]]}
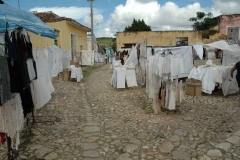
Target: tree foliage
{"points": [[203, 21], [114, 44], [138, 25]]}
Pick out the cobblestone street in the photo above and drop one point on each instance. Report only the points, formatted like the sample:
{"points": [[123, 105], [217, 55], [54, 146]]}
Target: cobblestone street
{"points": [[94, 121]]}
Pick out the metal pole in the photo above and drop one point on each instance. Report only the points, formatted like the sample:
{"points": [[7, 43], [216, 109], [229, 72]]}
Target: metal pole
{"points": [[91, 5]]}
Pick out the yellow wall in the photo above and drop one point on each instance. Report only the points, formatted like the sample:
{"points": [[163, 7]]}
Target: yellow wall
{"points": [[158, 38], [65, 37]]}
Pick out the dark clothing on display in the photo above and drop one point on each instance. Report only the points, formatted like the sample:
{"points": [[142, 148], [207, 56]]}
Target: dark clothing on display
{"points": [[5, 92], [27, 102], [14, 73], [238, 69], [23, 64], [238, 73]]}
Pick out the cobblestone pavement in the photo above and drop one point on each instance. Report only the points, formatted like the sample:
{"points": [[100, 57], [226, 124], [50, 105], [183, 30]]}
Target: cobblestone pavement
{"points": [[94, 121]]}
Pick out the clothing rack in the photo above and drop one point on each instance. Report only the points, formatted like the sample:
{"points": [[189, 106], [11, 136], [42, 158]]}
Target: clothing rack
{"points": [[36, 120], [11, 154]]}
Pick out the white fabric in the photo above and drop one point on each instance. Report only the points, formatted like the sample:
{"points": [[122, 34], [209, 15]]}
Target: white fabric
{"points": [[114, 79], [229, 85], [219, 45], [199, 50], [42, 85], [60, 56], [197, 73], [231, 57], [176, 65], [12, 118], [53, 61], [149, 52], [211, 55], [132, 57], [66, 59], [76, 73], [31, 71], [50, 60], [121, 76], [131, 78], [159, 68], [212, 75], [172, 102]]}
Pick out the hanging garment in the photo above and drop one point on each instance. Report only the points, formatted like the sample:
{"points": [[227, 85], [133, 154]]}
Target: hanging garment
{"points": [[166, 68], [27, 101], [43, 85], [180, 92], [114, 79], [172, 101], [131, 78], [176, 65], [159, 67], [25, 81], [121, 76], [15, 75], [156, 103], [31, 70], [163, 95], [12, 118], [52, 61], [5, 88], [66, 59], [167, 94]]}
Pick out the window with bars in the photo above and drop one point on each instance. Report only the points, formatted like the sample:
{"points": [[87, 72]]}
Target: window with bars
{"points": [[181, 41], [233, 33]]}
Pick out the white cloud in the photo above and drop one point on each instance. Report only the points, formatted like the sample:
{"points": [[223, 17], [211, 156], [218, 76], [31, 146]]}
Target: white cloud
{"points": [[97, 19], [168, 16], [227, 6], [77, 13]]}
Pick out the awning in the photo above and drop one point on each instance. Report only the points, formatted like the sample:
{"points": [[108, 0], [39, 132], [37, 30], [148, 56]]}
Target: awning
{"points": [[17, 18]]}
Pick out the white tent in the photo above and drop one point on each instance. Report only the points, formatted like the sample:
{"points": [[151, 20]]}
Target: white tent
{"points": [[219, 45], [231, 57]]}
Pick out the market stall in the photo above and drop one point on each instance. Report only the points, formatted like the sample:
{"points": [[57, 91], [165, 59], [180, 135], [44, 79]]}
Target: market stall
{"points": [[212, 75], [21, 69]]}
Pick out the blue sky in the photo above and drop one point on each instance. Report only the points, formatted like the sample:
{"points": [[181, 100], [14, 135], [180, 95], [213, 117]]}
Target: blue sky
{"points": [[111, 16]]}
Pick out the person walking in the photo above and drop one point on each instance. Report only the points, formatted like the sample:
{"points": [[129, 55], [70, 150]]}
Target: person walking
{"points": [[236, 67], [106, 59]]}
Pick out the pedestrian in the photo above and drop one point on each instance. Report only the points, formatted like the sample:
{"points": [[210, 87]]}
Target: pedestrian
{"points": [[236, 67], [106, 59]]}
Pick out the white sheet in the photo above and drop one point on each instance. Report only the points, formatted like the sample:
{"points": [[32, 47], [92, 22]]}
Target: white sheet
{"points": [[199, 50], [121, 76], [131, 78]]}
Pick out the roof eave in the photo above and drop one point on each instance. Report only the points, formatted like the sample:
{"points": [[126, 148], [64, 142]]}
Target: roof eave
{"points": [[77, 25]]}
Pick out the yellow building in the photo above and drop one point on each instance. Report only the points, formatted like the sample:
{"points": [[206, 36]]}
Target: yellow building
{"points": [[71, 34], [160, 38]]}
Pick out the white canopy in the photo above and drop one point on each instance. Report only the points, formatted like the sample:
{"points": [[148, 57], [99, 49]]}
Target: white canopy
{"points": [[219, 45]]}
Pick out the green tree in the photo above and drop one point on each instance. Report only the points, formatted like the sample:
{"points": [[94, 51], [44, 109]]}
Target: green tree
{"points": [[203, 21], [114, 44], [138, 25]]}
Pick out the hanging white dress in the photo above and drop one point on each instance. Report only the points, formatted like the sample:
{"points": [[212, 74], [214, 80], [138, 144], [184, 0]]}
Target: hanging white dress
{"points": [[42, 85]]}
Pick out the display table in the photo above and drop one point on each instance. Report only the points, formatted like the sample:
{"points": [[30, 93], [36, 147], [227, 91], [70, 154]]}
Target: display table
{"points": [[209, 76]]}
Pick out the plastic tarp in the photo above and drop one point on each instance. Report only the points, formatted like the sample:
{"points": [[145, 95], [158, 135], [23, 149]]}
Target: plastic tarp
{"points": [[219, 45], [19, 18]]}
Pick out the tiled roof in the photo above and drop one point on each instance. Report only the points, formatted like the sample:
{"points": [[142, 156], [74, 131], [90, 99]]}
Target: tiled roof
{"points": [[49, 17]]}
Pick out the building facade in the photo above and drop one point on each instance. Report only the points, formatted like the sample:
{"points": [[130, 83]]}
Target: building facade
{"points": [[229, 25], [89, 43], [159, 38], [228, 28], [71, 34]]}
